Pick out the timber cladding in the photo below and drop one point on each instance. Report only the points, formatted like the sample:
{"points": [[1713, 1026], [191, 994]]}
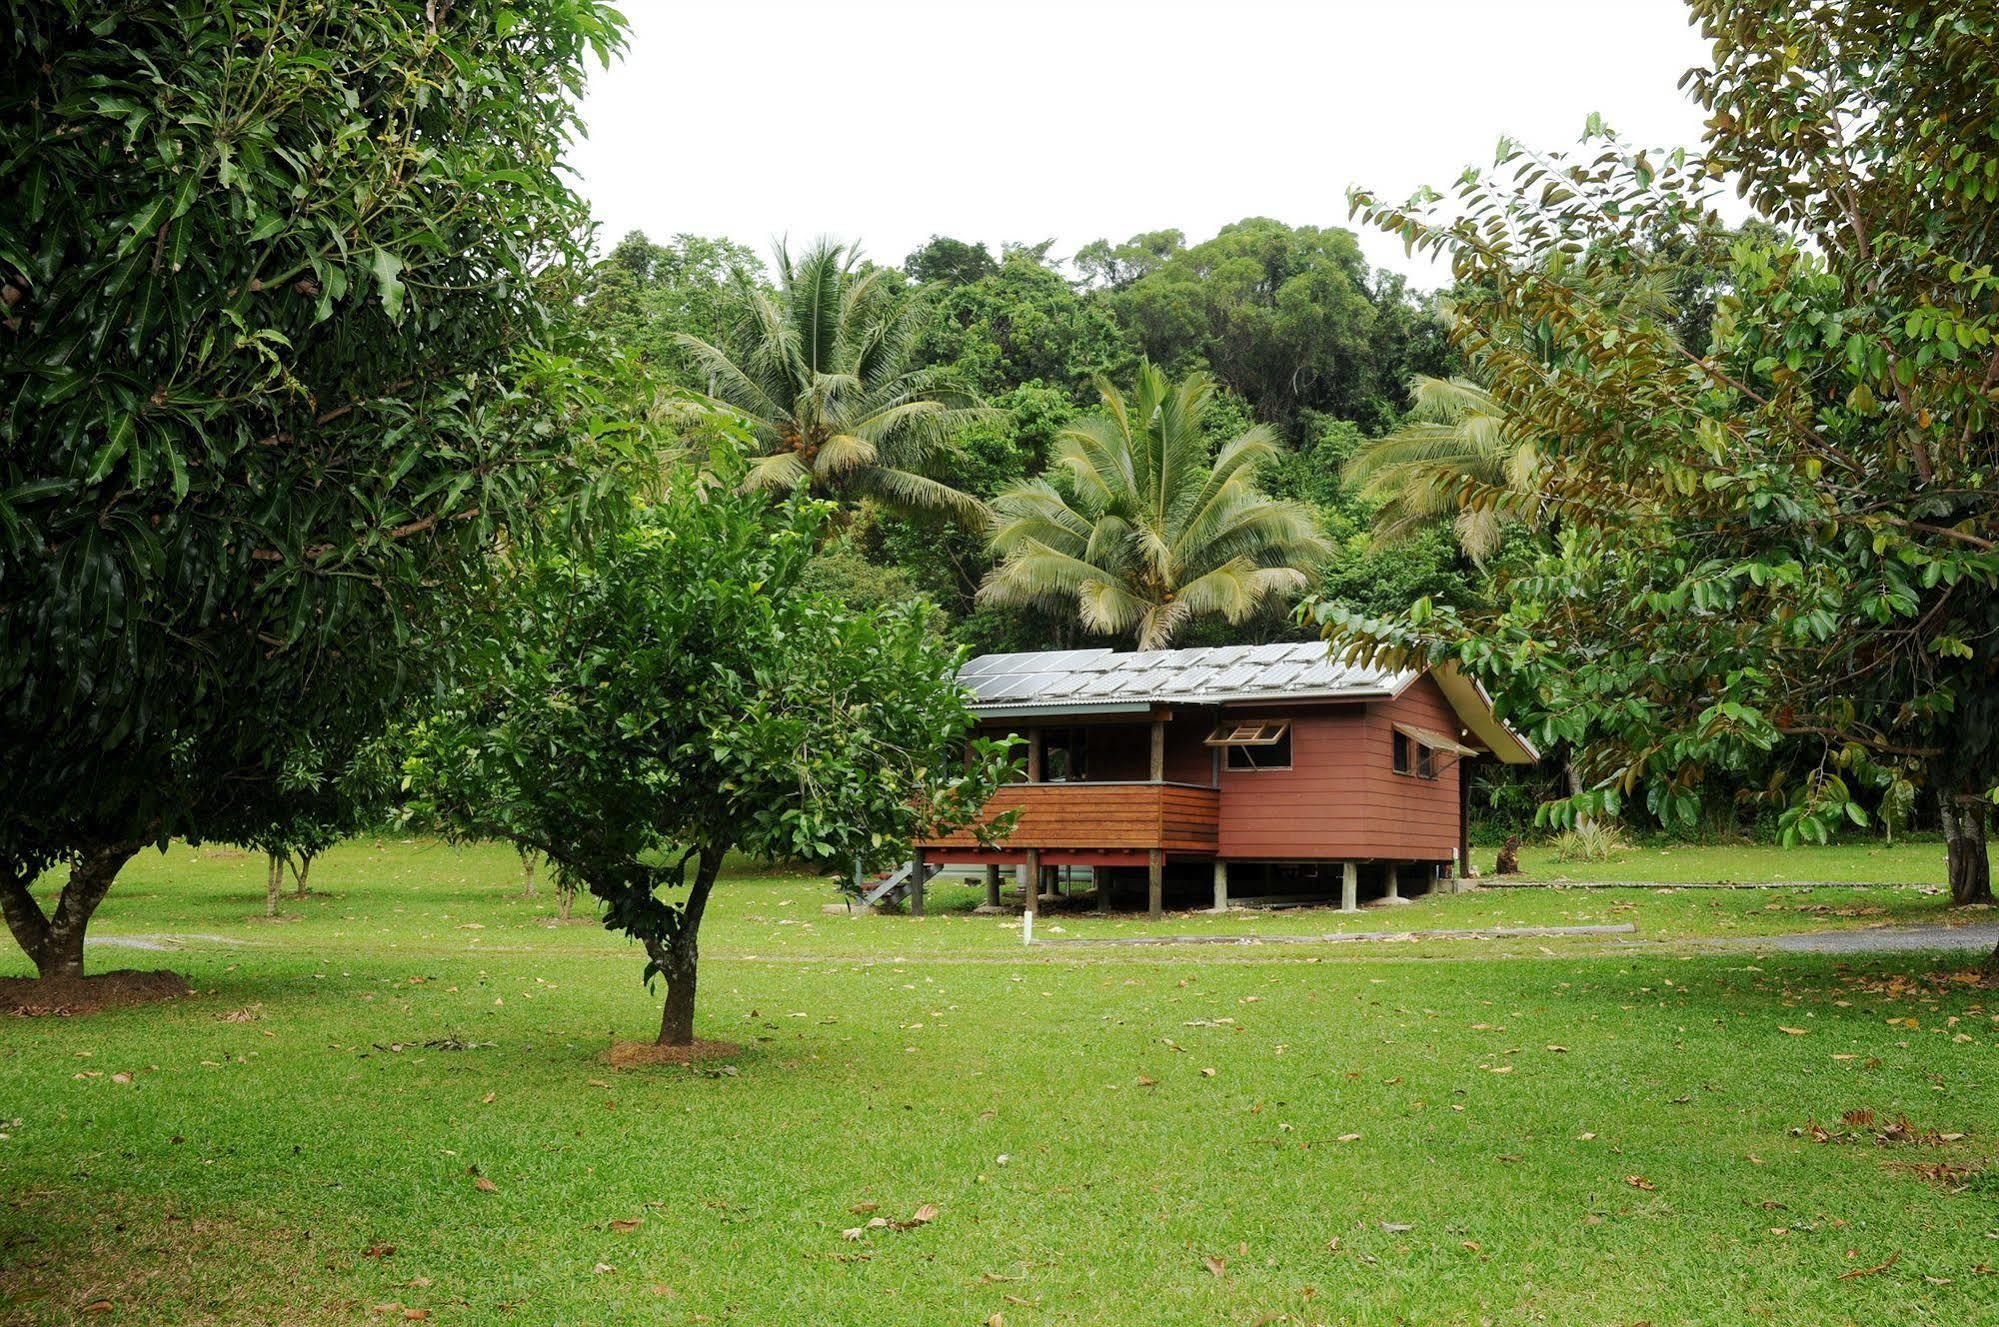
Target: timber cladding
{"points": [[1175, 817], [1342, 798]]}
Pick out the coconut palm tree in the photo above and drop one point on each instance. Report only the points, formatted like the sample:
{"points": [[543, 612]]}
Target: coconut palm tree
{"points": [[819, 372], [1144, 526], [1454, 460]]}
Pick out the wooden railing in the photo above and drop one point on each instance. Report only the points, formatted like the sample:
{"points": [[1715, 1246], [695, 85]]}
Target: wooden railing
{"points": [[1178, 817]]}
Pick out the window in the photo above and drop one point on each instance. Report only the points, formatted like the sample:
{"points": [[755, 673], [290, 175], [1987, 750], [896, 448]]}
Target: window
{"points": [[1417, 749], [1254, 744]]}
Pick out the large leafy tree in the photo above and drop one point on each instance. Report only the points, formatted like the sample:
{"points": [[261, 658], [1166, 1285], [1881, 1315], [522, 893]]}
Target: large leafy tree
{"points": [[1789, 531], [819, 370], [642, 294], [1290, 318], [1017, 322], [639, 711], [274, 365], [1144, 525]]}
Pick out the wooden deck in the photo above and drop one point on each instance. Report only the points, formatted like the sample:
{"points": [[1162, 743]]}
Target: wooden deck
{"points": [[1100, 817]]}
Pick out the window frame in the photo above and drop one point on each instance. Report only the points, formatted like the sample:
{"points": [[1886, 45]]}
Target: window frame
{"points": [[1245, 739]]}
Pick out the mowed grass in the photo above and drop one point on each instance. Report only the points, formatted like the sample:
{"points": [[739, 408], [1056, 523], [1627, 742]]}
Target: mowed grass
{"points": [[1574, 1133], [1858, 861]]}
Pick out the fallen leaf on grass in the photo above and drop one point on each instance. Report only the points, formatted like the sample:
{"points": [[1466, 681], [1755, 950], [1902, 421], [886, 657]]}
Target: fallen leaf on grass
{"points": [[1640, 1182], [1216, 1266], [862, 1209], [1795, 1032], [484, 1185], [623, 1227], [1349, 1138], [923, 1215], [489, 1098], [378, 1250], [997, 1320], [98, 1306], [602, 1268], [1207, 1073], [1395, 1228], [416, 1315], [1893, 1258]]}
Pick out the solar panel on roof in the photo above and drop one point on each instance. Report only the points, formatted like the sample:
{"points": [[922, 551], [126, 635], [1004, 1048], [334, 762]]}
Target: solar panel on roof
{"points": [[1099, 676]]}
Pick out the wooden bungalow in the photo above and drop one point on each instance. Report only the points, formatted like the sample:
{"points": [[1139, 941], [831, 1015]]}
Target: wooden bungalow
{"points": [[1270, 770]]}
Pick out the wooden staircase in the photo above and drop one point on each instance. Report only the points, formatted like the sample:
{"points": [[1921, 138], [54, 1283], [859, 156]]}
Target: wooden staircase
{"points": [[894, 887]]}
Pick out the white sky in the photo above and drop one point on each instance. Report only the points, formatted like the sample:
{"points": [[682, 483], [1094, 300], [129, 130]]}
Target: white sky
{"points": [[887, 121]]}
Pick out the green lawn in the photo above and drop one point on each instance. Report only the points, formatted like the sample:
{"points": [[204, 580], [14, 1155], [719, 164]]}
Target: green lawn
{"points": [[1385, 1138], [1918, 861]]}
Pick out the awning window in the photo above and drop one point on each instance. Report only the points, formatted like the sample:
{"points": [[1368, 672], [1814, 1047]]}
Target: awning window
{"points": [[1256, 733], [1434, 741]]}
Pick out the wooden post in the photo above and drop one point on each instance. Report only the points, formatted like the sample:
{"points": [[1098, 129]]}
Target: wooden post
{"points": [[916, 870], [1464, 818], [992, 885], [1103, 884], [1221, 885], [1034, 755], [1032, 890], [1394, 894], [1155, 883], [1159, 751], [1349, 887]]}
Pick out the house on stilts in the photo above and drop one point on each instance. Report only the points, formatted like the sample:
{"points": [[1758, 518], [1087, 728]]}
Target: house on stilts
{"points": [[1257, 772]]}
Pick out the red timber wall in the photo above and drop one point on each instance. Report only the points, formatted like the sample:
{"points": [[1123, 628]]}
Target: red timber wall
{"points": [[1342, 799]]}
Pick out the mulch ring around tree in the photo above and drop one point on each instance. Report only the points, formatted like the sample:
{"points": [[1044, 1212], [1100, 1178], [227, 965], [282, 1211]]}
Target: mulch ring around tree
{"points": [[66, 997], [644, 1054]]}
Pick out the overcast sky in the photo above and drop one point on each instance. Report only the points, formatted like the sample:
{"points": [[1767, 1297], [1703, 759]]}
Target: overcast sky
{"points": [[887, 121]]}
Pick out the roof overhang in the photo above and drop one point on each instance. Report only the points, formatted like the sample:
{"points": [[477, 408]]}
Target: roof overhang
{"points": [[1474, 710]]}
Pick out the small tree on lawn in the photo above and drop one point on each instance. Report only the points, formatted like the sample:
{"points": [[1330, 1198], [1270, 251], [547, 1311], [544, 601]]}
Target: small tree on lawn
{"points": [[640, 711]]}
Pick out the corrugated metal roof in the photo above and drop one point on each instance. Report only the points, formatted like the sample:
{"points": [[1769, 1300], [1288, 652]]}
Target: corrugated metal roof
{"points": [[1095, 679]]}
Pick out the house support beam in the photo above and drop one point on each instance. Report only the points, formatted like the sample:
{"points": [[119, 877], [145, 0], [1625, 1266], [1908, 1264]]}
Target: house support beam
{"points": [[1221, 885], [916, 870], [992, 885], [1155, 884], [1031, 880], [1034, 755], [1394, 884], [1159, 751], [1349, 887]]}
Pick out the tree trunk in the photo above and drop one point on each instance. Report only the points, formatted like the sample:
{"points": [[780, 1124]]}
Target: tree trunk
{"points": [[274, 882], [55, 942], [565, 898], [1575, 780], [1964, 841], [527, 872], [679, 960], [300, 870]]}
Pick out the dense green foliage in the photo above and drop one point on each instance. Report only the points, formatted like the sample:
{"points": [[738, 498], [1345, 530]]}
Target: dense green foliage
{"points": [[1144, 526], [1776, 524], [1030, 337], [675, 693], [277, 364]]}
